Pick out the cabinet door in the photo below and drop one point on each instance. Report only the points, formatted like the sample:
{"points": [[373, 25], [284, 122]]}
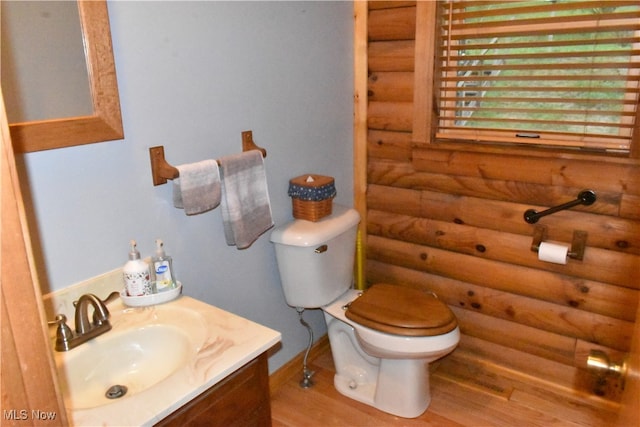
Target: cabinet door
{"points": [[241, 399]]}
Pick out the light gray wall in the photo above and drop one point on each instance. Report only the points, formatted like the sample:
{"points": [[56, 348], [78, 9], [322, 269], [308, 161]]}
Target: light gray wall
{"points": [[193, 76]]}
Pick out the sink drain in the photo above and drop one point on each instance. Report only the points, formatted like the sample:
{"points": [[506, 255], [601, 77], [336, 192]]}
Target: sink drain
{"points": [[116, 391]]}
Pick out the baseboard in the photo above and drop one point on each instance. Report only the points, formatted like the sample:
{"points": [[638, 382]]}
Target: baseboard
{"points": [[294, 366], [516, 365]]}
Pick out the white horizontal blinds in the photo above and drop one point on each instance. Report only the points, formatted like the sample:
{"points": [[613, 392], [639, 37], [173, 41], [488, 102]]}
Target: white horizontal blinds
{"points": [[545, 72]]}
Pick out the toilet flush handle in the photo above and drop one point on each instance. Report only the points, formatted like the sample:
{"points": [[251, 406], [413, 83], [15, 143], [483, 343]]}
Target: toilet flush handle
{"points": [[322, 248]]}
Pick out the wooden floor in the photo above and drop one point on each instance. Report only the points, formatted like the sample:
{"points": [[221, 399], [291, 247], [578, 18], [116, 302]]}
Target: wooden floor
{"points": [[463, 394]]}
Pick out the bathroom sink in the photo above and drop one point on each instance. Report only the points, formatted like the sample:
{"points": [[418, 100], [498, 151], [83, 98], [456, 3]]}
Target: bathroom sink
{"points": [[122, 365], [144, 347], [165, 355]]}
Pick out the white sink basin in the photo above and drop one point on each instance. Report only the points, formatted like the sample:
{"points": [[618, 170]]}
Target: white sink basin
{"points": [[144, 347], [95, 372], [165, 355]]}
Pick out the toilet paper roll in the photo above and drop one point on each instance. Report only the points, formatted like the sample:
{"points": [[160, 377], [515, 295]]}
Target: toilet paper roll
{"points": [[550, 252]]}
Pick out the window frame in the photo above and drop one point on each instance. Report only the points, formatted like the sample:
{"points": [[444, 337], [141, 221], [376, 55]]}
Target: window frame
{"points": [[425, 118]]}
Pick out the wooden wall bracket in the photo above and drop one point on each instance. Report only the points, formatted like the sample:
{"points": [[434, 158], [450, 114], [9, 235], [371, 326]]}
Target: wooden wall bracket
{"points": [[161, 171], [248, 144], [539, 236], [578, 244]]}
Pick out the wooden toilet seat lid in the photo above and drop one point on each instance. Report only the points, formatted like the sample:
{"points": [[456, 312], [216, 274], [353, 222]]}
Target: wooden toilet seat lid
{"points": [[401, 311]]}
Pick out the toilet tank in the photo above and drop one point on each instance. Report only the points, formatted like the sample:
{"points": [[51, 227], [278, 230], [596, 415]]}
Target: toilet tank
{"points": [[315, 259]]}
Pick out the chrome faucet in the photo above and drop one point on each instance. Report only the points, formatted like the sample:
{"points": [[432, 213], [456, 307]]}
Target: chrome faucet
{"points": [[85, 329]]}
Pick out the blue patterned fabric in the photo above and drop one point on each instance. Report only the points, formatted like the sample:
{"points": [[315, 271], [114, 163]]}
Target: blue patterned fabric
{"points": [[315, 194]]}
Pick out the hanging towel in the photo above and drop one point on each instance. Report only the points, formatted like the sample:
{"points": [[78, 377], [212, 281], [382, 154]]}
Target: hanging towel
{"points": [[197, 189], [246, 209]]}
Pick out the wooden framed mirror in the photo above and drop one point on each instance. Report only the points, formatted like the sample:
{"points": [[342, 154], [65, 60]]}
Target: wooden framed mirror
{"points": [[105, 124]]}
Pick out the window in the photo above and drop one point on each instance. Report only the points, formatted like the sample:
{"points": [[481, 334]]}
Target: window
{"points": [[553, 73]]}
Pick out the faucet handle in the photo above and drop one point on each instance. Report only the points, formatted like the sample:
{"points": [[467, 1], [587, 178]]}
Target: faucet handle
{"points": [[112, 296], [59, 318], [63, 333]]}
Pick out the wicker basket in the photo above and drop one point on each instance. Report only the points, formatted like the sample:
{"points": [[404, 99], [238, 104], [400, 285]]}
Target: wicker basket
{"points": [[311, 210], [320, 187]]}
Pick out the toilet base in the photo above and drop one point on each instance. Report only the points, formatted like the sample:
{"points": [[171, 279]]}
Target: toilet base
{"points": [[376, 373], [397, 386], [408, 399]]}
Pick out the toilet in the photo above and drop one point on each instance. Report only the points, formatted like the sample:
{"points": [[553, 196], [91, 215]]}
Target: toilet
{"points": [[382, 339]]}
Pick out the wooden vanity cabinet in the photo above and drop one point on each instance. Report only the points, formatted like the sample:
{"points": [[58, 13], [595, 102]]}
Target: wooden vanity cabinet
{"points": [[241, 399]]}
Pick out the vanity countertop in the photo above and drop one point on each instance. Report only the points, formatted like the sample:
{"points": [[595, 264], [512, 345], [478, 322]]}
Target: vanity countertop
{"points": [[231, 341]]}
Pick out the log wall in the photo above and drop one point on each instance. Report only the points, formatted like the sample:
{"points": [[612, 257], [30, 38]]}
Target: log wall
{"points": [[451, 221]]}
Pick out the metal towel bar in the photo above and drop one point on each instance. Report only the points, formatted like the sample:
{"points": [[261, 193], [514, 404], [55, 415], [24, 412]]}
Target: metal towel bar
{"points": [[586, 197]]}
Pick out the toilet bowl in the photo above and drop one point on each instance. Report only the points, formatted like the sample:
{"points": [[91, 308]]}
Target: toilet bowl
{"points": [[382, 339], [389, 372]]}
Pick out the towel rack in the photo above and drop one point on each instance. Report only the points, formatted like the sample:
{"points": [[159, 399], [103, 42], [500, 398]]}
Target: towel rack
{"points": [[162, 171]]}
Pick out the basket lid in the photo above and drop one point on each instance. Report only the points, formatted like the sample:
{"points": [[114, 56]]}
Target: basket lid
{"points": [[312, 188], [307, 233], [311, 180]]}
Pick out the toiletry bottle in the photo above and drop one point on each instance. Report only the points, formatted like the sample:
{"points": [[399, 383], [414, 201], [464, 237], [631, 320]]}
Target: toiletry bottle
{"points": [[162, 269], [136, 274]]}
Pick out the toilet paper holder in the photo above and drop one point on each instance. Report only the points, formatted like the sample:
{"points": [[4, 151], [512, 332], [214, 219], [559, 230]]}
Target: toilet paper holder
{"points": [[578, 243]]}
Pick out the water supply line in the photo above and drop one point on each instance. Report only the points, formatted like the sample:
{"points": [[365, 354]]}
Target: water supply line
{"points": [[360, 259], [306, 373]]}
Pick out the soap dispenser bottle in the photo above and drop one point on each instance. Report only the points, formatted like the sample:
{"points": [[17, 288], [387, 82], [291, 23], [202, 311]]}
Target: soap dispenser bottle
{"points": [[136, 274], [163, 269]]}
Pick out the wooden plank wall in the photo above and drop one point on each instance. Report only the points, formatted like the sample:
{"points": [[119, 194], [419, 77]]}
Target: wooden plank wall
{"points": [[451, 221]]}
